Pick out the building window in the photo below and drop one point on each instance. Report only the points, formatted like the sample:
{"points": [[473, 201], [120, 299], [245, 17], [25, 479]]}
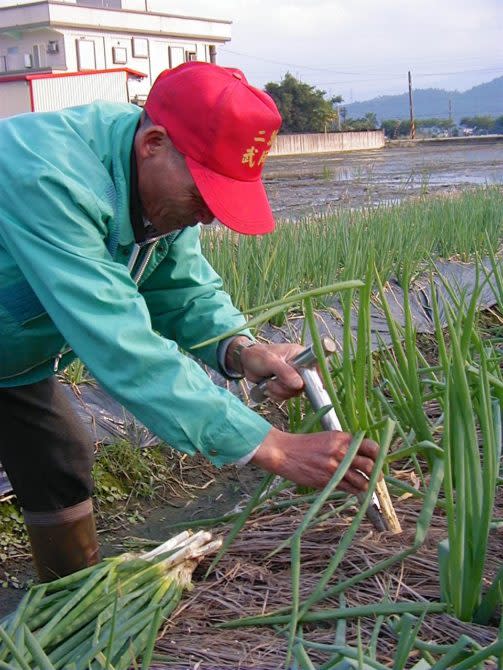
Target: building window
{"points": [[176, 56], [36, 55], [140, 47], [86, 55], [39, 55], [3, 64], [119, 55], [53, 47], [190, 55]]}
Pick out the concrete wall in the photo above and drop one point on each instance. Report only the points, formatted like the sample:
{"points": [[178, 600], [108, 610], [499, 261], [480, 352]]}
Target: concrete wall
{"points": [[14, 48], [129, 22], [14, 98], [315, 143]]}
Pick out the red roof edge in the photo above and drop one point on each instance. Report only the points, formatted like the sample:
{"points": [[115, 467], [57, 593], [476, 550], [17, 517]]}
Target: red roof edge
{"points": [[56, 75]]}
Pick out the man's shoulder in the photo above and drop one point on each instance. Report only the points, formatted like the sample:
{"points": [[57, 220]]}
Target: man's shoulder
{"points": [[75, 146], [80, 118], [103, 108], [98, 113], [98, 125]]}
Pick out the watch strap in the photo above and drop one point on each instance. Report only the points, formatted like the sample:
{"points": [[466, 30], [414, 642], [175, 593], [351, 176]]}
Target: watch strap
{"points": [[236, 354]]}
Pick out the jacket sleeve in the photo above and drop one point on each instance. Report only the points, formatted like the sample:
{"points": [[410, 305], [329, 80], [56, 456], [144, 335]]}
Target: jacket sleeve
{"points": [[186, 301], [56, 234]]}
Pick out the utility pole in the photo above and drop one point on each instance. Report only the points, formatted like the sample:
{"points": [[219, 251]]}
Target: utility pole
{"points": [[411, 108], [450, 109]]}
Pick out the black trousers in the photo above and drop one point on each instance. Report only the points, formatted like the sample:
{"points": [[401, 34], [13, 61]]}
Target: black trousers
{"points": [[45, 448]]}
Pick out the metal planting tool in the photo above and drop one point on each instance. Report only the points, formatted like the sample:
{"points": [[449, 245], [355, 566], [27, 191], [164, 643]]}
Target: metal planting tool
{"points": [[383, 516]]}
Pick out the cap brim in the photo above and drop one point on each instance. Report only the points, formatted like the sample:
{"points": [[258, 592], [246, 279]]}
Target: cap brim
{"points": [[240, 205]]}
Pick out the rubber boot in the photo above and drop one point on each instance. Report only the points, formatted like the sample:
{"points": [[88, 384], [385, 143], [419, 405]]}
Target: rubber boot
{"points": [[62, 541]]}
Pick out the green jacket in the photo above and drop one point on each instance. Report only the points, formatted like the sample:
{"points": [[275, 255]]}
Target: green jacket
{"points": [[65, 289]]}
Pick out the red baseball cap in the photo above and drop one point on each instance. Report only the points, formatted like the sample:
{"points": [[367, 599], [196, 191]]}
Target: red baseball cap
{"points": [[224, 128]]}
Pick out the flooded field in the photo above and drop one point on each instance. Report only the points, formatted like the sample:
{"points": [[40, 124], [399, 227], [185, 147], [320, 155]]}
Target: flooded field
{"points": [[301, 185]]}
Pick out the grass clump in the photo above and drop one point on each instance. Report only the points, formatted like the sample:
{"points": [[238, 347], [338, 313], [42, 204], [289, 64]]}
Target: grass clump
{"points": [[13, 536], [122, 471]]}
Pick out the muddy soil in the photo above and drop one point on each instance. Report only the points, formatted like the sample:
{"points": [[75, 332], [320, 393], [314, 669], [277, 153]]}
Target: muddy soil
{"points": [[301, 185]]}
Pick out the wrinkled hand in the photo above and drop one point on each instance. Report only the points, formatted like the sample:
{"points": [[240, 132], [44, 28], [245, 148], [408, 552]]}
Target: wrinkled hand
{"points": [[267, 360], [312, 459]]}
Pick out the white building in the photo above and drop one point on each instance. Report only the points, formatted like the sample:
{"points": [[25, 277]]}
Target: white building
{"points": [[65, 36]]}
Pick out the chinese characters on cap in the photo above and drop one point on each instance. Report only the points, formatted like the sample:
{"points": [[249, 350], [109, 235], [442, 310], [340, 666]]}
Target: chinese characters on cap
{"points": [[251, 156]]}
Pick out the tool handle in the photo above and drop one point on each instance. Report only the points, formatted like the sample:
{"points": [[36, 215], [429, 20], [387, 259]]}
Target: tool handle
{"points": [[319, 398], [305, 360]]}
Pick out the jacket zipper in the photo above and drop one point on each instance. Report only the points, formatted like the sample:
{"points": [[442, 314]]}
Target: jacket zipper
{"points": [[137, 274], [65, 349]]}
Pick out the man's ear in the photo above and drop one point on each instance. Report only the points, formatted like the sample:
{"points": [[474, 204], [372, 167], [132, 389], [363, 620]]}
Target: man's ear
{"points": [[151, 140]]}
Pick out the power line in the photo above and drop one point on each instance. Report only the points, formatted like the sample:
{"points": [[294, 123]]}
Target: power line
{"points": [[354, 74], [402, 76], [438, 74], [397, 77], [277, 62]]}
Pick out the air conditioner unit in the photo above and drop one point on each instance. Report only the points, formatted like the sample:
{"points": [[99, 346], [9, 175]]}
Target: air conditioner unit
{"points": [[53, 47]]}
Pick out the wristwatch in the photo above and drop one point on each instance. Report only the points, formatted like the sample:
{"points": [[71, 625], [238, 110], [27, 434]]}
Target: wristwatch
{"points": [[236, 354]]}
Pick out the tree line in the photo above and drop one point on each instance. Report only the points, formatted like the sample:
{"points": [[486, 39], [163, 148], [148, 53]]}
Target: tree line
{"points": [[306, 109]]}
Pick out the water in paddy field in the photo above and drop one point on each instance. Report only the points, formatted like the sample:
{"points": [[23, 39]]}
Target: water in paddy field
{"points": [[303, 185]]}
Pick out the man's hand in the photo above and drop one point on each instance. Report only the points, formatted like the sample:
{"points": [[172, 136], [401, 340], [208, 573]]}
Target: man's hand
{"points": [[267, 360], [312, 459]]}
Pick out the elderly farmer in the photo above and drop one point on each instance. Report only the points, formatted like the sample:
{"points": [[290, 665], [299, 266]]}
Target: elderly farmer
{"points": [[100, 209]]}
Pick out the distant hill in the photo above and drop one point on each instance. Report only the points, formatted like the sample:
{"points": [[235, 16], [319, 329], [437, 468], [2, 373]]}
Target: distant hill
{"points": [[434, 102]]}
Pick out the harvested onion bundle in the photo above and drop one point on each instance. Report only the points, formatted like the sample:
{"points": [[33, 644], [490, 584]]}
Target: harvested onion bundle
{"points": [[104, 616]]}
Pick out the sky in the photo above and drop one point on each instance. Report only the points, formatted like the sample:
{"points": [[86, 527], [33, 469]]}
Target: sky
{"points": [[359, 48]]}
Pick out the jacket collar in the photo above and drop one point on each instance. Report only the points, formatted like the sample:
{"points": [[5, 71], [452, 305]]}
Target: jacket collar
{"points": [[135, 209], [141, 230], [123, 132]]}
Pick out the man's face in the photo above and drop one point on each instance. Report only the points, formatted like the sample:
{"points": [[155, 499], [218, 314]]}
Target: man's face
{"points": [[170, 199]]}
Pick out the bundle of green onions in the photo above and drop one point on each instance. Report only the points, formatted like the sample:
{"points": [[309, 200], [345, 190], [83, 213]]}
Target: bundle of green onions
{"points": [[104, 616]]}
